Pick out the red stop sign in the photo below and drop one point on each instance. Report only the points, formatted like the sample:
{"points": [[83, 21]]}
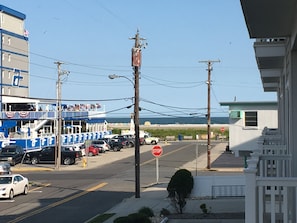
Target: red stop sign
{"points": [[222, 129], [157, 150]]}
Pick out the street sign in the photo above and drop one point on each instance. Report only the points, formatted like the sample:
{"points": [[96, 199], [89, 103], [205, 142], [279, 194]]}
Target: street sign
{"points": [[222, 129], [157, 151]]}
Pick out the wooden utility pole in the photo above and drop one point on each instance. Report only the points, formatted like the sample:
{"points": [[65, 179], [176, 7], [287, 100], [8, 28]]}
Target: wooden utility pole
{"points": [[58, 117], [209, 69], [136, 64]]}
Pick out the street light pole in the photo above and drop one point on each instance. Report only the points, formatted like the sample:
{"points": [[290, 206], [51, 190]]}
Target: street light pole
{"points": [[136, 63]]}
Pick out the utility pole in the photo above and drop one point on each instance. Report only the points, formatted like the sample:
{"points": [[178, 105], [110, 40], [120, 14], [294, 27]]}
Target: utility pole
{"points": [[136, 64], [59, 117], [209, 69]]}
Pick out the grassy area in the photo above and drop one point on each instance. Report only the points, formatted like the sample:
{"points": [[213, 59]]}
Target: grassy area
{"points": [[163, 132], [101, 218]]}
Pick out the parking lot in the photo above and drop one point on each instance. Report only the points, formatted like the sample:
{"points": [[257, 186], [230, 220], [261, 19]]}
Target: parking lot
{"points": [[84, 162]]}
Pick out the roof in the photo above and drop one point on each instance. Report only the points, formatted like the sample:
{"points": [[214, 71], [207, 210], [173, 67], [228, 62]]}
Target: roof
{"points": [[249, 103], [15, 99], [269, 18], [12, 12]]}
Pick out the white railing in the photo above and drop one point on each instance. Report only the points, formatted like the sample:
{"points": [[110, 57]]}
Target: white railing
{"points": [[271, 192], [277, 204]]}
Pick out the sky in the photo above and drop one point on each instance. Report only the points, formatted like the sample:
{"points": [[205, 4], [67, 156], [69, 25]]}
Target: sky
{"points": [[92, 39]]}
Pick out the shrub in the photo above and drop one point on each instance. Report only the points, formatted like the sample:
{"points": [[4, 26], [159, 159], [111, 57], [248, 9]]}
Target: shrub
{"points": [[146, 211], [143, 216], [138, 217], [124, 219], [180, 187]]}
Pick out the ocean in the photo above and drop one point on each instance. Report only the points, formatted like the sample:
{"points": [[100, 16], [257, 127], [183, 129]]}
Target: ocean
{"points": [[167, 120]]}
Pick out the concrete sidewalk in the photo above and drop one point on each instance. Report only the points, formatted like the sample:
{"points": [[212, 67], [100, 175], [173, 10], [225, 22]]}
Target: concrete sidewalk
{"points": [[155, 196]]}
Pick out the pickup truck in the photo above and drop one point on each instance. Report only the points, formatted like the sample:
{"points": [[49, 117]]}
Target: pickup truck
{"points": [[151, 140], [13, 154], [47, 154]]}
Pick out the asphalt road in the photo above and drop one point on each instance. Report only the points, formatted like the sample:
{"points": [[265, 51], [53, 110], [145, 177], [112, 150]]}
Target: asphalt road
{"points": [[76, 196]]}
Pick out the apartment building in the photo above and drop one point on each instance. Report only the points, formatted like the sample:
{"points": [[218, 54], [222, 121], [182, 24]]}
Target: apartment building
{"points": [[14, 49], [271, 175]]}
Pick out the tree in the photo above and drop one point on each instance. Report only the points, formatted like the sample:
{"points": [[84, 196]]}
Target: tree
{"points": [[180, 187]]}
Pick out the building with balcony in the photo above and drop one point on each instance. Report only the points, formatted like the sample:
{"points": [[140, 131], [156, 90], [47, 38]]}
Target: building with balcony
{"points": [[271, 174], [247, 120], [14, 49], [32, 123]]}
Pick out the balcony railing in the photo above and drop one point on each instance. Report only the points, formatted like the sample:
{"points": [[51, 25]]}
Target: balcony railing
{"points": [[270, 189]]}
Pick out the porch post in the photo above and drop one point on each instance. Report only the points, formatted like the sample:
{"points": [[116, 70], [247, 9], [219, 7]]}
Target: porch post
{"points": [[250, 191]]}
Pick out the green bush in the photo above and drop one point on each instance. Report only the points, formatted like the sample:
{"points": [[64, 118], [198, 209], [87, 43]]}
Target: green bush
{"points": [[163, 132], [146, 211], [142, 216], [138, 218], [180, 187], [124, 219]]}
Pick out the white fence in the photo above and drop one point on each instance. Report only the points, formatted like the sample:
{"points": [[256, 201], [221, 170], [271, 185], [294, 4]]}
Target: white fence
{"points": [[271, 192]]}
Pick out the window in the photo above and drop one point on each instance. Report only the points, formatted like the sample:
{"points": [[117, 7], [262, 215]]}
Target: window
{"points": [[9, 58], [251, 118], [9, 40]]}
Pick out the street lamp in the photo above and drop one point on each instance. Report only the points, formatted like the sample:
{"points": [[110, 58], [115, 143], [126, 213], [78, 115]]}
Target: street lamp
{"points": [[136, 128], [113, 76], [136, 64]]}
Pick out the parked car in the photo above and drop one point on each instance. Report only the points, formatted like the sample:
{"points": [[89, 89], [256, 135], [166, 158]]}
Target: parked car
{"points": [[127, 140], [123, 140], [13, 154], [114, 145], [78, 147], [150, 139], [83, 149], [104, 145], [5, 168], [47, 154], [92, 150], [141, 141], [13, 184], [72, 148]]}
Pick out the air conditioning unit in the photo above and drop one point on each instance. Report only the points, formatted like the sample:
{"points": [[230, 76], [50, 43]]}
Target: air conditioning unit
{"points": [[236, 114]]}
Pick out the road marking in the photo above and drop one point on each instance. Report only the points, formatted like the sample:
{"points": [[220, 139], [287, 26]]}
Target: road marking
{"points": [[88, 190], [166, 154], [6, 201], [38, 188]]}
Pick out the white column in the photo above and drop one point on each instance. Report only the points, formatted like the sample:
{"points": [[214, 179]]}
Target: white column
{"points": [[251, 192]]}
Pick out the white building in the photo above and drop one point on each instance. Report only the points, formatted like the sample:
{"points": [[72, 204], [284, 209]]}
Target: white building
{"points": [[14, 63], [247, 121], [271, 175]]}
